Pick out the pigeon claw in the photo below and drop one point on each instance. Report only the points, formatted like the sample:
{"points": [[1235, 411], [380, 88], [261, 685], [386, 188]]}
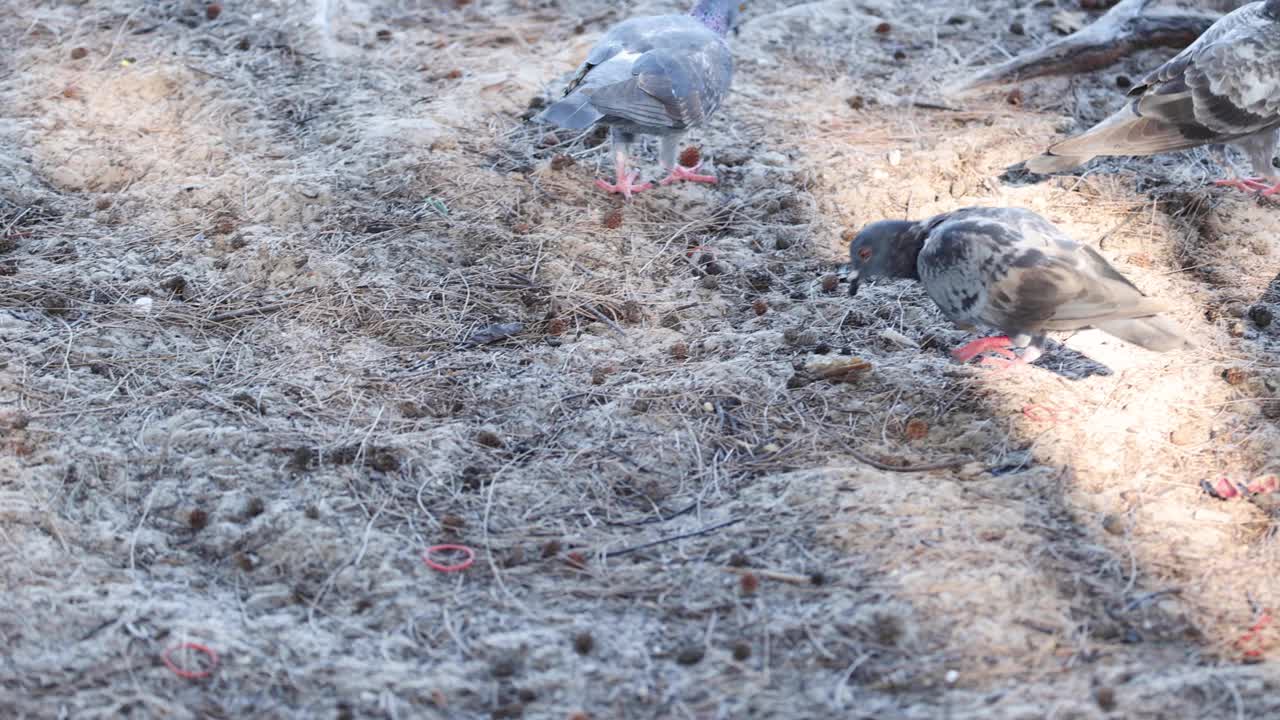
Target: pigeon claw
{"points": [[680, 172], [626, 185], [1250, 185], [997, 345]]}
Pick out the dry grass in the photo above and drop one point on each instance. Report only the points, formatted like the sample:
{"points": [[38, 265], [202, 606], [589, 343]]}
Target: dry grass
{"points": [[259, 293]]}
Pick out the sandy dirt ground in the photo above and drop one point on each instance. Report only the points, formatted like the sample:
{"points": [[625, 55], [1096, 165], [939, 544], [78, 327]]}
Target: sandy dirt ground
{"points": [[260, 276]]}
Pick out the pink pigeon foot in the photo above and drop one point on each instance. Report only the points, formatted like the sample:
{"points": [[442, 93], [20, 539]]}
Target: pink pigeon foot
{"points": [[626, 185], [1250, 185], [680, 172], [998, 345]]}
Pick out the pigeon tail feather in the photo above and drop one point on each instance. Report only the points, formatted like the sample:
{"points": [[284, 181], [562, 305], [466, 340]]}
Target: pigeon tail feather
{"points": [[572, 113], [1124, 133], [1050, 163], [1156, 333]]}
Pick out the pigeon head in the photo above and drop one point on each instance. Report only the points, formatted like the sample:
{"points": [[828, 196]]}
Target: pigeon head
{"points": [[719, 15], [887, 249], [1272, 9]]}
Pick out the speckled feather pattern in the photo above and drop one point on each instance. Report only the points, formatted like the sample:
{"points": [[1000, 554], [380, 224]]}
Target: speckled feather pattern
{"points": [[1011, 269], [1231, 73]]}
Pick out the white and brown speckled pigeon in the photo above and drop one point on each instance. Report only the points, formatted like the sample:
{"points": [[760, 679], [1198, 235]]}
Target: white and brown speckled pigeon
{"points": [[1223, 88], [657, 75], [1010, 269]]}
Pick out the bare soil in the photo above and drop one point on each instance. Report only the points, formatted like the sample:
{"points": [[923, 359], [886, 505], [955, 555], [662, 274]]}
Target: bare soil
{"points": [[289, 294]]}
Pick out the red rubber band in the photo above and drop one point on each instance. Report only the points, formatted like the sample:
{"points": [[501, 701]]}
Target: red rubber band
{"points": [[1039, 413], [456, 567], [190, 674], [1252, 636]]}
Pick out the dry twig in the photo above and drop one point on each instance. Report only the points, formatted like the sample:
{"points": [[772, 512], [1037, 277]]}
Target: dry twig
{"points": [[1123, 30]]}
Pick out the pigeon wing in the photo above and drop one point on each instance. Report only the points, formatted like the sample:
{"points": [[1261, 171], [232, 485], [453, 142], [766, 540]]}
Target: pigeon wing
{"points": [[677, 84], [1052, 282], [1011, 269], [1225, 85]]}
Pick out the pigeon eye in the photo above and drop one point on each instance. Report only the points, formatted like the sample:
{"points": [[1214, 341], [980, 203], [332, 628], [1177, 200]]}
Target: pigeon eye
{"points": [[865, 253]]}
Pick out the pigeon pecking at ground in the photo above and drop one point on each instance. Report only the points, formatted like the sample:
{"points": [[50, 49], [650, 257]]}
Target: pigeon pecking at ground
{"points": [[656, 75], [1012, 270], [1224, 88]]}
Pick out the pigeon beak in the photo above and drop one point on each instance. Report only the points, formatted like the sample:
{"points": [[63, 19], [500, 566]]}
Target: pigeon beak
{"points": [[853, 282]]}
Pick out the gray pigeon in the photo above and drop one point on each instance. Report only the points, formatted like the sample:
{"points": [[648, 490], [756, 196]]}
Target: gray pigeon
{"points": [[1012, 270], [657, 75], [1224, 88]]}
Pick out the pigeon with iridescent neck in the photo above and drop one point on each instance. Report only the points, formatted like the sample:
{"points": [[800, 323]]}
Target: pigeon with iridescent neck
{"points": [[659, 75], [1012, 270]]}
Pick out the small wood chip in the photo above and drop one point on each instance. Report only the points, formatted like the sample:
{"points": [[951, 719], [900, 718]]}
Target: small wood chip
{"points": [[846, 370], [898, 338]]}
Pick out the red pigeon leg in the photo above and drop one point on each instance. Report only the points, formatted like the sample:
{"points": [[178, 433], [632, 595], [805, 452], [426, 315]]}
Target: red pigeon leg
{"points": [[1247, 184], [626, 183], [680, 172], [998, 345]]}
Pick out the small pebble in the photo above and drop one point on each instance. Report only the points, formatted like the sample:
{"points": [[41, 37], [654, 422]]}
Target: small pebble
{"points": [[691, 655], [917, 429], [1113, 524], [1260, 315], [1106, 698]]}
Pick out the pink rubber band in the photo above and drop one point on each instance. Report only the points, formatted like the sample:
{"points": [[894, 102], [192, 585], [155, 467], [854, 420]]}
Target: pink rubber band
{"points": [[456, 567]]}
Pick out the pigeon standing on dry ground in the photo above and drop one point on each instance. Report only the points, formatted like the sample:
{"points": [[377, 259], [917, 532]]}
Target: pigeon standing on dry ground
{"points": [[1012, 270], [1224, 88], [656, 75]]}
